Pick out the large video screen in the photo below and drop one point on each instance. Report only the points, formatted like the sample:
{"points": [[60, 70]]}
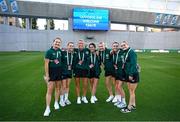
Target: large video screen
{"points": [[90, 19]]}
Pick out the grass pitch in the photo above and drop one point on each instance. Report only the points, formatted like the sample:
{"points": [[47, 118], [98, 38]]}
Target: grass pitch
{"points": [[22, 91]]}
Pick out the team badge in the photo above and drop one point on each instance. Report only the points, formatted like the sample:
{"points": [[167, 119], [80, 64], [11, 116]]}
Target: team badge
{"points": [[107, 56], [87, 52]]}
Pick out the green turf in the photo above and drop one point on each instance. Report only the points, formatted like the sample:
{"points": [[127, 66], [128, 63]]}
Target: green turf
{"points": [[22, 91]]}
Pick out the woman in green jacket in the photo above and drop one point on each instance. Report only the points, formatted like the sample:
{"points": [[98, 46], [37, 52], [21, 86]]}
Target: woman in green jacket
{"points": [[94, 70], [68, 61], [81, 70], [132, 75], [53, 73]]}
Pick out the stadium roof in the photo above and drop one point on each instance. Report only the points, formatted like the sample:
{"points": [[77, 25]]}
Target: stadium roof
{"points": [[160, 6], [138, 12]]}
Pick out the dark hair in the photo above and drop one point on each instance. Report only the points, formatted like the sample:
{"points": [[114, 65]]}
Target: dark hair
{"points": [[115, 43], [81, 40], [57, 38], [70, 43], [92, 45]]}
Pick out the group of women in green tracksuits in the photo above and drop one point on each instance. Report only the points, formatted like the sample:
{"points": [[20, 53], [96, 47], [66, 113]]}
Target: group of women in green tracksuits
{"points": [[85, 64]]}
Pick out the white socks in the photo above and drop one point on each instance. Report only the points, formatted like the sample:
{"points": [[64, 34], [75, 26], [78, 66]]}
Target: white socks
{"points": [[47, 107], [61, 97], [118, 98], [65, 96], [123, 100]]}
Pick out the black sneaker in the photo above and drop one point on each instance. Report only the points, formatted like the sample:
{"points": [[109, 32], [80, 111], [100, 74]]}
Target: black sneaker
{"points": [[125, 110], [133, 107]]}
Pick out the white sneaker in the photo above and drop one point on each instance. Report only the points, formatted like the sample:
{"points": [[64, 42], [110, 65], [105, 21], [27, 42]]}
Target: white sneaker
{"points": [[78, 100], [47, 112], [114, 100], [117, 103], [95, 99], [68, 102], [62, 103], [56, 105], [110, 98], [84, 99], [121, 105], [92, 100]]}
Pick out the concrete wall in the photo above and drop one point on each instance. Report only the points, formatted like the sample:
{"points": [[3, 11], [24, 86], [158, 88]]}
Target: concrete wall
{"points": [[16, 39]]}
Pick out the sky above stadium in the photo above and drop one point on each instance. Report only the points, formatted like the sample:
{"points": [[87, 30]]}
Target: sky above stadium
{"points": [[160, 6]]}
